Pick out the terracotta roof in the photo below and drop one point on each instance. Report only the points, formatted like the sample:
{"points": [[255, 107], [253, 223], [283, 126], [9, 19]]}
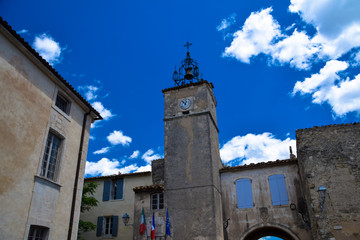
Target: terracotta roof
{"points": [[47, 65], [120, 175], [151, 188], [188, 85], [259, 165], [328, 126]]}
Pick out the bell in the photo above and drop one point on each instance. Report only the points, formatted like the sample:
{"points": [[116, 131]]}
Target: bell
{"points": [[188, 74]]}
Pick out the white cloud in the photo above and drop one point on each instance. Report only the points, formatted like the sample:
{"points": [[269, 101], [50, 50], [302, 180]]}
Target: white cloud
{"points": [[103, 167], [227, 22], [117, 137], [48, 48], [22, 31], [146, 168], [297, 50], [106, 167], [255, 37], [102, 151], [105, 113], [90, 92], [150, 155], [253, 148], [135, 154], [91, 137], [322, 80], [337, 23]]}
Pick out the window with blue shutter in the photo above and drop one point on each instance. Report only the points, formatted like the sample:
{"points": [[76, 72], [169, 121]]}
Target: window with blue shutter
{"points": [[99, 226], [278, 190], [119, 188], [115, 225], [244, 193], [113, 189], [106, 193]]}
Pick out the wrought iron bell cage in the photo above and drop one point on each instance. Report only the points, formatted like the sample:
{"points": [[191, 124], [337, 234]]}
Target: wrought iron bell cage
{"points": [[188, 72]]}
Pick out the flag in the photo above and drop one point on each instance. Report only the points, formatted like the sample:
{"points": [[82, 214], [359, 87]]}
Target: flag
{"points": [[153, 228], [143, 223], [167, 223]]}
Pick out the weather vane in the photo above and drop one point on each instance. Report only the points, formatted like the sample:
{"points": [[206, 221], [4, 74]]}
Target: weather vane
{"points": [[188, 71]]}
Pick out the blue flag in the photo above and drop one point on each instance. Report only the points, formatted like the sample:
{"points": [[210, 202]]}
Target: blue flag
{"points": [[167, 223]]}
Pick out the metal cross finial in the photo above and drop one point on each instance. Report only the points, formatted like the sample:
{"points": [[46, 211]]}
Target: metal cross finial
{"points": [[187, 45]]}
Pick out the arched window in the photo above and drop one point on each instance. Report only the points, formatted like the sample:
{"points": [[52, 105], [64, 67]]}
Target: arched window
{"points": [[244, 193], [278, 190]]}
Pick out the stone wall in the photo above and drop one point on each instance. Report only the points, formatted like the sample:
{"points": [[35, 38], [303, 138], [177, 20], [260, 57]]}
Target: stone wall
{"points": [[329, 156]]}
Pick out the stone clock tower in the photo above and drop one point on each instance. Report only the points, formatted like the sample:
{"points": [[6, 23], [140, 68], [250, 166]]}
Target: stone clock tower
{"points": [[192, 161]]}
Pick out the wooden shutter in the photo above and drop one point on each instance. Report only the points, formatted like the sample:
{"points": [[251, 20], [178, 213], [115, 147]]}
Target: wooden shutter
{"points": [[120, 188], [115, 224], [106, 193], [99, 226], [278, 190], [244, 193]]}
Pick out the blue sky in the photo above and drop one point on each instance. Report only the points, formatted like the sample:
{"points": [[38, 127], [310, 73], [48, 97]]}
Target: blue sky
{"points": [[277, 66]]}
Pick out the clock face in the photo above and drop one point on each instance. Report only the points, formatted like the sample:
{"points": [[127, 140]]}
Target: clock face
{"points": [[185, 103]]}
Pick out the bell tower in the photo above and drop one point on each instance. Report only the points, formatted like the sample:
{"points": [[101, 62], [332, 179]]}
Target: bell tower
{"points": [[192, 159]]}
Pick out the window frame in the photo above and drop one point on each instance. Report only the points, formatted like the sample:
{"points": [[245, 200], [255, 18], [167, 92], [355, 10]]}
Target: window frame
{"points": [[47, 156], [159, 205], [242, 186], [63, 97], [107, 226], [44, 232]]}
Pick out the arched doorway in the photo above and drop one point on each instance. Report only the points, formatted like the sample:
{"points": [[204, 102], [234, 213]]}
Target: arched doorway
{"points": [[266, 231]]}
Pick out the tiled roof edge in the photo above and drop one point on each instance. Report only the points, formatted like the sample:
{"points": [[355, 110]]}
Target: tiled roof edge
{"points": [[47, 65], [188, 85], [120, 175], [328, 126], [148, 188], [259, 165]]}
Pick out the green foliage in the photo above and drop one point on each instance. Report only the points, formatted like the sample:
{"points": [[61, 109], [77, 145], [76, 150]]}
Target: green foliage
{"points": [[87, 202]]}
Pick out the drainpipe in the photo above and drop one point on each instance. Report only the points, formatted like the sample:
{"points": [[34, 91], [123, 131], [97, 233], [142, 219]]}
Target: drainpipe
{"points": [[71, 223]]}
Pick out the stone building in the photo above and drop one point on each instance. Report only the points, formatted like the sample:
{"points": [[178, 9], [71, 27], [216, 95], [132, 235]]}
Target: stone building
{"points": [[44, 128], [312, 196]]}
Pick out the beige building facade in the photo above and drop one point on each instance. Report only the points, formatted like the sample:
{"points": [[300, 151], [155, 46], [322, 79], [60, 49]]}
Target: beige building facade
{"points": [[44, 128], [116, 198]]}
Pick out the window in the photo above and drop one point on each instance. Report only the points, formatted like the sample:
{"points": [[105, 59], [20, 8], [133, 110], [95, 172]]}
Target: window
{"points": [[113, 189], [157, 201], [38, 233], [51, 156], [107, 226], [62, 103], [278, 190], [244, 193]]}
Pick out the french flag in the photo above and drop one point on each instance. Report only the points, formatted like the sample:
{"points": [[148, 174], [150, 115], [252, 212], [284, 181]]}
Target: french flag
{"points": [[153, 228]]}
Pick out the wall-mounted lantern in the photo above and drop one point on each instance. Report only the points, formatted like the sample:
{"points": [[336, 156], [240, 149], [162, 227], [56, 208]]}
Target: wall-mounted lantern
{"points": [[322, 195], [125, 219]]}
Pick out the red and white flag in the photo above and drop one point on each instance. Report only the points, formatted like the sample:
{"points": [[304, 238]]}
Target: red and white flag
{"points": [[143, 223]]}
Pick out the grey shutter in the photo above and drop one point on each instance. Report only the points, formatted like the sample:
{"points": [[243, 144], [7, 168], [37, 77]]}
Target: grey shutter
{"points": [[106, 193], [115, 224], [244, 193], [119, 188], [99, 226]]}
